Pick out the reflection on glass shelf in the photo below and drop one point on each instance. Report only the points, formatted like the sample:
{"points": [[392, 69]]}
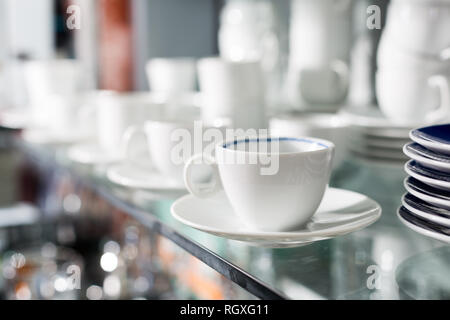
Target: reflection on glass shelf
{"points": [[425, 275], [361, 265]]}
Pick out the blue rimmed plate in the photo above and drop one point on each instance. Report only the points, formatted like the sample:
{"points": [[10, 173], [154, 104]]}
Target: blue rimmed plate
{"points": [[427, 158], [426, 210], [429, 176], [422, 226], [436, 138], [435, 196]]}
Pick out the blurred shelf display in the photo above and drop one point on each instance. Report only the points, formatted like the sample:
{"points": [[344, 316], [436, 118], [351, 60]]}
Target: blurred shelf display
{"points": [[153, 254], [89, 180]]}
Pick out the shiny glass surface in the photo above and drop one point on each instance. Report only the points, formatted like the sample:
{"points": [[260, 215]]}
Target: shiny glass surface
{"points": [[383, 261]]}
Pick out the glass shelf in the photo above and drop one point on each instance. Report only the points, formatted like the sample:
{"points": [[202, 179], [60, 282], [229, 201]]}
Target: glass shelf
{"points": [[379, 262]]}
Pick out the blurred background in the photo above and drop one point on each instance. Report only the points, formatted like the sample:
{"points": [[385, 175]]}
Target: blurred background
{"points": [[302, 67]]}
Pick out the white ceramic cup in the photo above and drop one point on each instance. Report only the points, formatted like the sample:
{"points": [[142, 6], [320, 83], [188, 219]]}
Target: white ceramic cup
{"points": [[320, 32], [327, 126], [44, 78], [392, 55], [418, 25], [233, 91], [116, 112], [273, 184], [412, 98], [171, 76], [72, 114], [326, 85], [171, 142]]}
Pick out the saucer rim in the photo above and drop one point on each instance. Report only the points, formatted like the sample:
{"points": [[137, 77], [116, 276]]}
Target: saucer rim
{"points": [[425, 197], [430, 181], [432, 217], [434, 164], [425, 232], [371, 217], [431, 144], [79, 146], [54, 138], [110, 176]]}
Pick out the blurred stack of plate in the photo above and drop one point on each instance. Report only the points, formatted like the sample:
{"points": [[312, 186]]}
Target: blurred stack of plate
{"points": [[426, 206], [374, 137]]}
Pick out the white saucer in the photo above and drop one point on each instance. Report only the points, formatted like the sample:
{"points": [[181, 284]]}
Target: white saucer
{"points": [[15, 119], [341, 212], [371, 121], [91, 153], [380, 142], [423, 231], [378, 153], [138, 177], [45, 137]]}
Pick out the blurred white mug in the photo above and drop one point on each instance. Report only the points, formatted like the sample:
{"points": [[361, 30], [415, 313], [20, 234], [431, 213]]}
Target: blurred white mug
{"points": [[409, 97], [232, 92], [171, 76], [116, 112], [45, 78]]}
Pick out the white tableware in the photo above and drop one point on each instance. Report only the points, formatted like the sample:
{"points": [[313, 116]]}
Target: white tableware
{"points": [[420, 26], [340, 212], [378, 142], [273, 183], [248, 32], [325, 126], [325, 85], [171, 143], [71, 115], [116, 112], [391, 55], [171, 77], [232, 92], [408, 97], [426, 211], [137, 177], [370, 121], [15, 118], [44, 78], [435, 138], [378, 153], [324, 28], [438, 197], [46, 137], [420, 226]]}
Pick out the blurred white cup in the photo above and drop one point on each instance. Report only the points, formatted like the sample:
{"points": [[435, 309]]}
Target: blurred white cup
{"points": [[171, 76], [325, 126], [419, 26], [232, 92], [71, 114], [325, 85], [392, 55], [320, 32], [407, 96], [171, 142], [320, 41], [116, 112], [45, 78]]}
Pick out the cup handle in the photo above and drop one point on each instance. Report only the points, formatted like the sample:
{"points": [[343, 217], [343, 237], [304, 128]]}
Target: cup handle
{"points": [[442, 83], [129, 135], [197, 189], [341, 69]]}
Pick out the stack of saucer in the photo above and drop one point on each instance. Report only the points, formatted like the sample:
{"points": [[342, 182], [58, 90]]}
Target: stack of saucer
{"points": [[426, 206], [374, 137]]}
